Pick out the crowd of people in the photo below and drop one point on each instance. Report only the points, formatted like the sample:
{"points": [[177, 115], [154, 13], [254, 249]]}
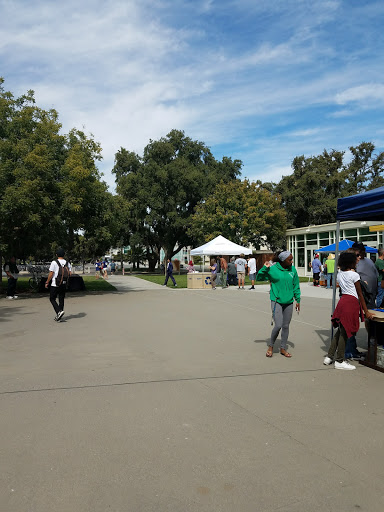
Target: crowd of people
{"points": [[360, 281]]}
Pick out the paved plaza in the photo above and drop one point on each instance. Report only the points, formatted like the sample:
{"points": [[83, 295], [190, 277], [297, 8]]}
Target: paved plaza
{"points": [[153, 399]]}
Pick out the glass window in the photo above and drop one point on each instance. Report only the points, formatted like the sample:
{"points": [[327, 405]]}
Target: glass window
{"points": [[350, 234], [300, 258], [324, 235], [300, 237], [311, 237]]}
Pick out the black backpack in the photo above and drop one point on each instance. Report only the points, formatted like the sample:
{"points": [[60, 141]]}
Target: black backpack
{"points": [[63, 273]]}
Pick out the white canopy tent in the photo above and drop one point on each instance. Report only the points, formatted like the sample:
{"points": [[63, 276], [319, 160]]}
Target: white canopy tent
{"points": [[220, 246]]}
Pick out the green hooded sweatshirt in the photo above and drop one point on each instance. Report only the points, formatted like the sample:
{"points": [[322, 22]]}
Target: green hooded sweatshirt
{"points": [[285, 284]]}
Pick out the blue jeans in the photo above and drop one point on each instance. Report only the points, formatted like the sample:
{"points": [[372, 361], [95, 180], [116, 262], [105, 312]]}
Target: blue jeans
{"points": [[380, 295], [351, 348], [328, 277]]}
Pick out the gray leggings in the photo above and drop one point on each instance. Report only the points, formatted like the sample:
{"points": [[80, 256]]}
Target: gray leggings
{"points": [[282, 315]]}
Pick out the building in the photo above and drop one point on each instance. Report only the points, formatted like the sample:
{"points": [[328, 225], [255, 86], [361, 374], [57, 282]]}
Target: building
{"points": [[303, 242]]}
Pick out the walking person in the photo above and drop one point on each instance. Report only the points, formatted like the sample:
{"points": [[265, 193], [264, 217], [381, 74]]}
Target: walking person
{"points": [[218, 271], [105, 269], [169, 273], [113, 267], [10, 268], [285, 288], [316, 269], [241, 264], [213, 268], [98, 268], [350, 309], [252, 271], [59, 273]]}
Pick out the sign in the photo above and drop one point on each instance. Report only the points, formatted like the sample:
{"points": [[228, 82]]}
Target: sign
{"points": [[379, 227]]}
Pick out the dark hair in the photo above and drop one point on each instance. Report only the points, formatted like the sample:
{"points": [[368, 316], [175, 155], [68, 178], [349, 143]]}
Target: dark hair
{"points": [[275, 257], [347, 260], [60, 252]]}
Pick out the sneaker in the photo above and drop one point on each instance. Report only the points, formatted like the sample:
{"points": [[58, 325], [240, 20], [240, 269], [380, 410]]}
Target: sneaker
{"points": [[15, 296], [327, 360], [359, 356], [344, 366], [60, 315], [252, 288], [175, 285], [9, 297]]}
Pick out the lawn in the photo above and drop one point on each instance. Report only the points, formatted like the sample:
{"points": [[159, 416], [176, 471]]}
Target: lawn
{"points": [[91, 285], [181, 280]]}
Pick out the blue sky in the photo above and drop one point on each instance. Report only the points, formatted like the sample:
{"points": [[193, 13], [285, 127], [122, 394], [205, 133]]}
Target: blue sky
{"points": [[259, 80]]}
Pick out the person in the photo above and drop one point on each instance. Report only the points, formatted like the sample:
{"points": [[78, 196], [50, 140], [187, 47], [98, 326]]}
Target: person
{"points": [[223, 272], [350, 308], [252, 271], [191, 267], [241, 263], [218, 271], [213, 267], [60, 271], [329, 267], [379, 263], [285, 288], [368, 274], [169, 273], [10, 268], [316, 269], [113, 267], [231, 274], [98, 268], [105, 268]]}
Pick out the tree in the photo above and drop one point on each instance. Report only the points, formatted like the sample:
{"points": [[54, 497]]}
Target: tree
{"points": [[165, 185], [310, 194], [242, 211]]}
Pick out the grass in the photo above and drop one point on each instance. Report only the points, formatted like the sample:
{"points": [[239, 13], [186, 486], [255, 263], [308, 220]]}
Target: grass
{"points": [[91, 285], [181, 280]]}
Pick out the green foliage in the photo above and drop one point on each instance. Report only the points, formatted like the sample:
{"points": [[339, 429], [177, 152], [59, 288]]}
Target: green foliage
{"points": [[310, 194], [50, 188], [164, 187], [244, 212]]}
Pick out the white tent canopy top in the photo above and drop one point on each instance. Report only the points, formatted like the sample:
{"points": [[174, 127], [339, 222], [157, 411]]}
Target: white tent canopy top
{"points": [[220, 246]]}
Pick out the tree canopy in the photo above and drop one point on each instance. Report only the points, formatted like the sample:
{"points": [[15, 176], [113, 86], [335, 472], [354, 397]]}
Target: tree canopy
{"points": [[164, 186], [242, 211]]}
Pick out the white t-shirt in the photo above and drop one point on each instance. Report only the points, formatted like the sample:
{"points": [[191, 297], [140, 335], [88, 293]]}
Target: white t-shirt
{"points": [[13, 274], [347, 280], [240, 264], [252, 265], [55, 269]]}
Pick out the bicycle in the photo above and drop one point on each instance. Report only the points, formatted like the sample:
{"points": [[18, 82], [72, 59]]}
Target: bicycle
{"points": [[37, 274]]}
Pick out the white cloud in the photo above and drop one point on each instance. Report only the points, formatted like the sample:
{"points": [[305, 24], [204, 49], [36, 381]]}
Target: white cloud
{"points": [[362, 93]]}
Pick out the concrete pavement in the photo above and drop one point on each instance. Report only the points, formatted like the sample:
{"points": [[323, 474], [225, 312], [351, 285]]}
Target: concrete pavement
{"points": [[154, 399]]}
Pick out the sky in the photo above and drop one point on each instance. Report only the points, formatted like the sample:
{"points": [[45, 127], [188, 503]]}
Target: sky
{"points": [[262, 81]]}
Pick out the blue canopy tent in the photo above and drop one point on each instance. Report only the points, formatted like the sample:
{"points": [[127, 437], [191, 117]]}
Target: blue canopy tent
{"points": [[366, 206], [343, 246]]}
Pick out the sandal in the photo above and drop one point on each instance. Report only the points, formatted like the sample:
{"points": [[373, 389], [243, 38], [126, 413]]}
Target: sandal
{"points": [[269, 352], [284, 353]]}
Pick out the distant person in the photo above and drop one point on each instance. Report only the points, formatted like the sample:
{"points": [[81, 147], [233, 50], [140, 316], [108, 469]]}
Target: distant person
{"points": [[98, 269], [10, 268], [316, 269], [218, 271], [329, 267], [241, 264], [105, 269], [232, 272], [223, 272], [379, 263], [191, 267], [169, 273], [59, 273], [113, 267], [252, 271], [285, 288], [348, 312], [213, 268]]}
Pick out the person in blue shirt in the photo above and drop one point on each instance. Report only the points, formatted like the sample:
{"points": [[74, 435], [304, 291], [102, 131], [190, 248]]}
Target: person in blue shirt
{"points": [[316, 269], [169, 273]]}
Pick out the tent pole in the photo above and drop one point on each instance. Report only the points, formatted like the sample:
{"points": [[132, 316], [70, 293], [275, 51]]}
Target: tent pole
{"points": [[335, 271]]}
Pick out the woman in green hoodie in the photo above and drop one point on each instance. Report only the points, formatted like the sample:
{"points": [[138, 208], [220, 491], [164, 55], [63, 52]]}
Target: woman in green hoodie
{"points": [[285, 287]]}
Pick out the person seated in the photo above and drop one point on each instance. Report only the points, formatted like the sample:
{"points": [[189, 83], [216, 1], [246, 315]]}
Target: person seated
{"points": [[190, 267]]}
